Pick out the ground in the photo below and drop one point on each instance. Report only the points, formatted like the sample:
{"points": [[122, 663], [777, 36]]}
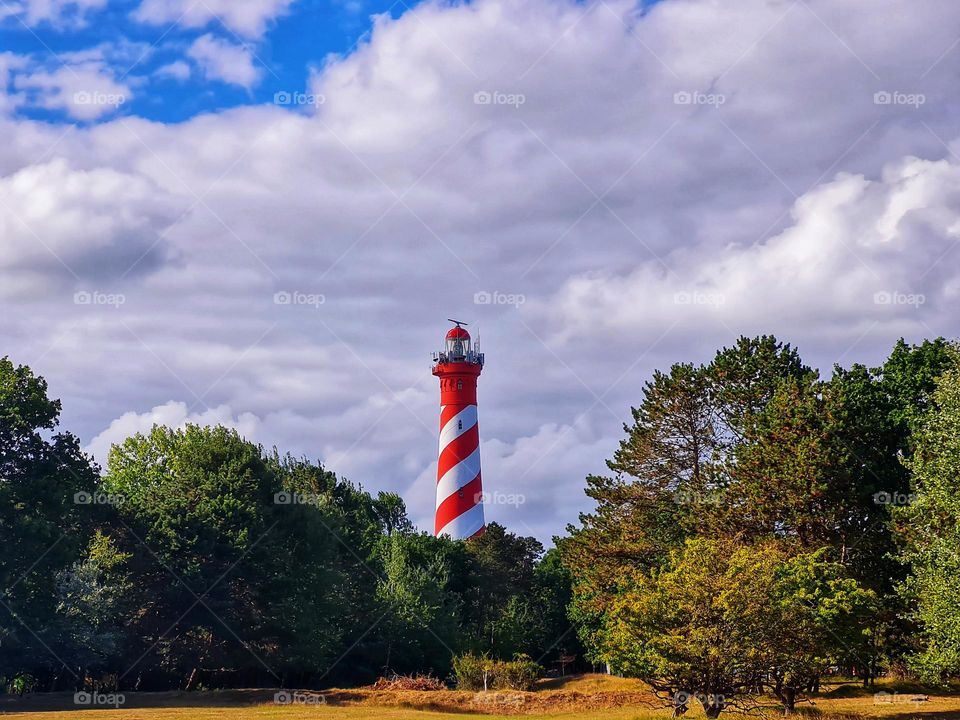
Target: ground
{"points": [[587, 697]]}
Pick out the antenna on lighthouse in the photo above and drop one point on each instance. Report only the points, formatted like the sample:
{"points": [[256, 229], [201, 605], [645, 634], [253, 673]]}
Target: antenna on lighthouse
{"points": [[458, 323]]}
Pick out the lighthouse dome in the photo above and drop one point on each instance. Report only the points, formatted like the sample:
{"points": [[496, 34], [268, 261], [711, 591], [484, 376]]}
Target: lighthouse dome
{"points": [[458, 333]]}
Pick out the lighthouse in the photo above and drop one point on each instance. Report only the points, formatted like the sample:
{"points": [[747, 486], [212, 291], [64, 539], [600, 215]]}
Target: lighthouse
{"points": [[459, 510]]}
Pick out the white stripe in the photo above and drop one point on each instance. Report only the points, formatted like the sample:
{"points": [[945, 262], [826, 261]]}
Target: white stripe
{"points": [[452, 430], [465, 525], [458, 476]]}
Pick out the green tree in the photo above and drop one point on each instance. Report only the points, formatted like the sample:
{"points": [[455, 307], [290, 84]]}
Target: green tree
{"points": [[720, 620], [930, 529], [44, 524], [234, 567]]}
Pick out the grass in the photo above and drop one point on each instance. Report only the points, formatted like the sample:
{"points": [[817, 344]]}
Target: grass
{"points": [[586, 697]]}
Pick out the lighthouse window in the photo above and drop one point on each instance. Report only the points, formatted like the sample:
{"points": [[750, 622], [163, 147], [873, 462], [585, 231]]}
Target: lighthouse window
{"points": [[459, 424], [459, 384]]}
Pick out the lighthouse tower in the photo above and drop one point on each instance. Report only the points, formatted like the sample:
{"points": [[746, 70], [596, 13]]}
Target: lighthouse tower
{"points": [[459, 490]]}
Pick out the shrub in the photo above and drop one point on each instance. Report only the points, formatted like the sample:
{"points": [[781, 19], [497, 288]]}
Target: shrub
{"points": [[473, 672], [521, 673], [479, 672]]}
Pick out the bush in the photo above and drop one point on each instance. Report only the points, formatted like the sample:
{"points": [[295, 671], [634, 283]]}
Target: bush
{"points": [[521, 673], [473, 672], [478, 672]]}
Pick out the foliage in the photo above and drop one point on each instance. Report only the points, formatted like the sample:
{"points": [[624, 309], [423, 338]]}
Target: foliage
{"points": [[930, 530], [721, 619], [480, 672]]}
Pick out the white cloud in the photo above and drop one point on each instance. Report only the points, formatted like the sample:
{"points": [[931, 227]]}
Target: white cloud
{"points": [[178, 70], [56, 12], [401, 197], [172, 414], [249, 17], [85, 91], [222, 60], [62, 226]]}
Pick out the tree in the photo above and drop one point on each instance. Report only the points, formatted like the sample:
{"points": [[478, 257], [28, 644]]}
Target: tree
{"points": [[235, 567], [721, 619], [44, 523], [930, 530]]}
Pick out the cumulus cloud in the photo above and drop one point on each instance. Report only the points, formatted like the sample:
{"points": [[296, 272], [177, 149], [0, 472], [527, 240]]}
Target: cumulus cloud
{"points": [[599, 191], [172, 414], [249, 18], [220, 59], [56, 12], [858, 252], [61, 225], [178, 70], [84, 90]]}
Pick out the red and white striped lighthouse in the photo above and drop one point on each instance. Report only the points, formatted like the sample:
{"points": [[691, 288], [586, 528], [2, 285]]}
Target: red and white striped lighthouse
{"points": [[459, 489]]}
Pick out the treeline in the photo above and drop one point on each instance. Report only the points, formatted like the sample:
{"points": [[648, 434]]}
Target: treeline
{"points": [[197, 560], [762, 527]]}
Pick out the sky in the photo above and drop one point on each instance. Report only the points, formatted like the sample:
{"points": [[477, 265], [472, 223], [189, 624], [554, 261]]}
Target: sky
{"points": [[261, 213]]}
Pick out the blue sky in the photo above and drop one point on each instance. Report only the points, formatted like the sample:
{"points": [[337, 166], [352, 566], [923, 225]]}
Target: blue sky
{"points": [[293, 43]]}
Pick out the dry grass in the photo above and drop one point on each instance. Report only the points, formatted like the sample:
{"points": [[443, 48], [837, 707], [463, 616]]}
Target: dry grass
{"points": [[586, 697]]}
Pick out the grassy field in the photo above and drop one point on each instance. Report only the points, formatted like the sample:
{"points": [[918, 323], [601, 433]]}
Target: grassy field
{"points": [[590, 697]]}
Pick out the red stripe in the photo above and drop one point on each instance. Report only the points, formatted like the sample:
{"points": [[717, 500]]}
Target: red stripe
{"points": [[449, 412], [479, 532], [458, 450], [458, 503]]}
